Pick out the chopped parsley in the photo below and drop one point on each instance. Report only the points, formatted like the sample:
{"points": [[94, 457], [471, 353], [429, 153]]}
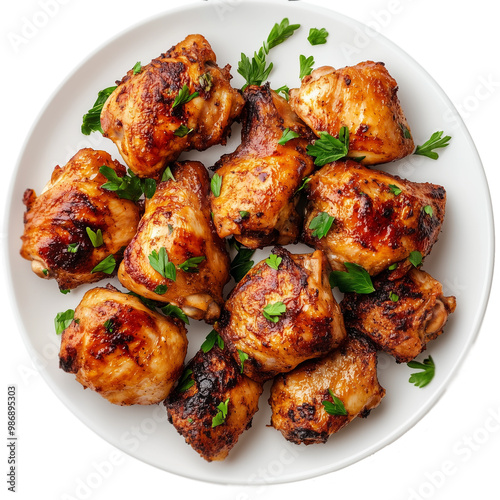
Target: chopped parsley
{"points": [[175, 312], [159, 262], [317, 36], [243, 357], [415, 258], [106, 265], [92, 119], [212, 338], [273, 261], [63, 320], [423, 377], [287, 135], [216, 184], [128, 187], [336, 407], [436, 141], [95, 237], [306, 65], [221, 415], [184, 96], [328, 148], [321, 224], [272, 312], [241, 263], [191, 265]]}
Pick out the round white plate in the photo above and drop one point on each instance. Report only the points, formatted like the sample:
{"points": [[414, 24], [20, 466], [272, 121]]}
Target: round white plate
{"points": [[462, 259]]}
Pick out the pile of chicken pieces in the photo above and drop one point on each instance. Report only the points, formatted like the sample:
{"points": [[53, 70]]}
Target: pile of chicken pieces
{"points": [[281, 321]]}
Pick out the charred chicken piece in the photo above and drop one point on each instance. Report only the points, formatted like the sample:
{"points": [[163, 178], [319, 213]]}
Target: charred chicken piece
{"points": [[177, 232], [362, 98], [296, 398], [124, 351], [58, 224], [401, 316], [213, 404], [279, 318], [149, 116], [261, 177], [379, 219]]}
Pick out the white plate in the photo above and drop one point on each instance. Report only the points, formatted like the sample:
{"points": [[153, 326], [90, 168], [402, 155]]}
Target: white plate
{"points": [[462, 259]]}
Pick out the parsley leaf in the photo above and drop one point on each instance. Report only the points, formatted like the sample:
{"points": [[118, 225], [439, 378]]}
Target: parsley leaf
{"points": [[394, 297], [191, 265], [148, 187], [428, 210], [328, 148], [205, 81], [184, 96], [63, 320], [285, 90], [335, 408], [287, 135], [92, 119], [160, 263], [185, 381], [95, 237], [72, 247], [279, 33], [128, 187], [422, 378], [137, 68], [317, 36], [436, 141], [167, 174], [221, 415], [272, 312], [254, 71], [355, 279], [210, 341], [182, 131], [321, 224], [106, 265], [161, 289], [274, 261], [244, 214], [241, 263], [394, 189], [415, 258], [243, 357], [306, 65], [216, 184], [176, 312]]}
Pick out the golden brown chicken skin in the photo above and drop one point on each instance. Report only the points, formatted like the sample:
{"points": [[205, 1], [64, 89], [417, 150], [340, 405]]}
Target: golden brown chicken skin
{"points": [[260, 179], [210, 380], [147, 125], [124, 351], [310, 323], [401, 316], [297, 397], [177, 219], [379, 219], [362, 98], [56, 223]]}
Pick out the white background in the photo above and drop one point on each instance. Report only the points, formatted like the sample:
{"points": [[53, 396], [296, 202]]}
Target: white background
{"points": [[453, 452]]}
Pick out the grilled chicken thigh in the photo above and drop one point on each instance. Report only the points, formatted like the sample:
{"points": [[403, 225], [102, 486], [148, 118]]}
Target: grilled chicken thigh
{"points": [[277, 318], [177, 232], [58, 224], [379, 219], [119, 348], [401, 316], [260, 179], [150, 118], [362, 98], [213, 403], [296, 399]]}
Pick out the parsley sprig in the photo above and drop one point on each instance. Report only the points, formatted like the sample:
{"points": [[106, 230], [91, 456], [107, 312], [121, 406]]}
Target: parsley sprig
{"points": [[328, 148], [321, 224], [159, 262], [273, 261], [127, 187], [336, 407], [317, 36], [255, 71], [436, 141], [106, 265], [306, 65], [184, 96], [63, 320], [423, 377], [176, 312], [355, 279], [241, 263], [92, 119], [286, 136], [212, 338]]}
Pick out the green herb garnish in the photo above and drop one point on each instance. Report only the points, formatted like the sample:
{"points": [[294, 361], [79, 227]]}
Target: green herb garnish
{"points": [[274, 261], [72, 247], [272, 312], [216, 184], [221, 415], [287, 135], [241, 263], [182, 131], [137, 68], [355, 279], [176, 312], [415, 258], [212, 338], [335, 408], [428, 210], [106, 265], [167, 174], [306, 65], [328, 148], [436, 141], [128, 187], [321, 224], [159, 262], [317, 36], [422, 378], [394, 189], [63, 320], [92, 119], [191, 265], [184, 96], [95, 237], [185, 381], [243, 357]]}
